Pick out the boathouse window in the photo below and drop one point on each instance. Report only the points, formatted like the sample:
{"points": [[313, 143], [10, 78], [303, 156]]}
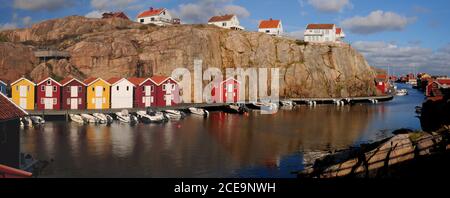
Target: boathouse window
{"points": [[164, 87], [42, 88], [152, 88], [28, 88], [49, 82], [79, 88], [93, 89], [54, 89], [142, 20], [68, 101], [54, 101], [128, 88], [104, 89], [224, 24]]}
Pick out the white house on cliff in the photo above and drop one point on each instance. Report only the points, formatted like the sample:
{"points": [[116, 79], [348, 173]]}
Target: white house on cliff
{"points": [[271, 27], [160, 17], [321, 33], [229, 21]]}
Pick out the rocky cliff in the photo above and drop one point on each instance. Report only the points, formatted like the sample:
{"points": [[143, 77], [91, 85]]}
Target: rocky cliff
{"points": [[117, 47]]}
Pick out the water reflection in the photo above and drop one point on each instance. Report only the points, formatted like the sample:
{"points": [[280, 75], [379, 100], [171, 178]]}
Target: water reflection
{"points": [[221, 146]]}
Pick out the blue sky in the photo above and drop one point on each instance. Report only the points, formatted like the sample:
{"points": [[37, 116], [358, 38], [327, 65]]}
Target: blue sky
{"points": [[404, 34]]}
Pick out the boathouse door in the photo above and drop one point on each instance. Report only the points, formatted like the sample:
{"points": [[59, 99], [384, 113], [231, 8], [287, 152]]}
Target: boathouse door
{"points": [[168, 99], [98, 103], [74, 103], [148, 101], [48, 103], [23, 103]]}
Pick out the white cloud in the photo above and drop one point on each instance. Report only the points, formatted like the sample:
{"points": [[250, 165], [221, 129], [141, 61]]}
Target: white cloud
{"points": [[96, 14], [330, 5], [7, 26], [377, 21], [48, 5], [405, 58], [201, 10], [111, 4]]}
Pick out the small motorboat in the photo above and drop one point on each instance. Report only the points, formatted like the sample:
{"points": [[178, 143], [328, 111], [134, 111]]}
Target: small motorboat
{"points": [[101, 118], [27, 122], [287, 103], [266, 106], [144, 117], [199, 112], [236, 108], [173, 114], [76, 118], [134, 119], [157, 117], [89, 118], [123, 116], [402, 92], [37, 120], [110, 119]]}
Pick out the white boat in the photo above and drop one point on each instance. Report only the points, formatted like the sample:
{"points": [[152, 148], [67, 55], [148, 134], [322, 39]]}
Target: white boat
{"points": [[134, 119], [88, 118], [236, 108], [199, 112], [144, 117], [402, 92], [110, 119], [101, 118], [37, 120], [123, 116], [76, 118], [27, 122], [287, 103], [173, 114]]}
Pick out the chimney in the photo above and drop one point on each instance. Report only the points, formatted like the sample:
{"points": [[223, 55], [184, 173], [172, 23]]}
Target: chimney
{"points": [[271, 19], [151, 8]]}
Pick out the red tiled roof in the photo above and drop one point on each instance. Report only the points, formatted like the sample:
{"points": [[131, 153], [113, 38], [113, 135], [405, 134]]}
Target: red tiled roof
{"points": [[320, 26], [151, 12], [90, 80], [338, 30], [269, 24], [221, 18], [113, 80], [9, 172], [137, 81], [159, 79], [115, 14], [9, 110], [45, 79], [443, 81]]}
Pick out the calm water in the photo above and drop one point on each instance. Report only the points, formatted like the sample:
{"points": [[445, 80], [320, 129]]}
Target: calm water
{"points": [[221, 146]]}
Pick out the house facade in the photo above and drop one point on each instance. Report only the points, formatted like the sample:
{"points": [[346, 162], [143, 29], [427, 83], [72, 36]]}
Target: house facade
{"points": [[22, 93], [271, 27], [228, 91], [121, 93], [3, 86], [73, 94], [381, 82], [10, 115], [321, 33], [167, 91], [48, 94], [434, 87], [98, 92], [144, 92], [229, 21], [160, 17]]}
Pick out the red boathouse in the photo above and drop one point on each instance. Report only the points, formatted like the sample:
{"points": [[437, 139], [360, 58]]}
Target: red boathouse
{"points": [[144, 92], [227, 91], [73, 94], [48, 94], [167, 91]]}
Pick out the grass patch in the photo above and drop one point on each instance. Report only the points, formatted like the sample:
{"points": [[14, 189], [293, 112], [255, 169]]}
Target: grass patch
{"points": [[3, 38]]}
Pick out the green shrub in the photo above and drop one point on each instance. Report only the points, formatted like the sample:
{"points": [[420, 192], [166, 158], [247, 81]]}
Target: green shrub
{"points": [[3, 38], [301, 42]]}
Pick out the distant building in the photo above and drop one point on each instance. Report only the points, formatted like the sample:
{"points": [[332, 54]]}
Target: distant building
{"points": [[22, 93], [121, 93], [381, 82], [227, 91], [3, 87], [435, 87], [160, 17], [271, 27], [229, 21], [321, 33], [10, 115], [73, 94], [108, 15], [48, 93], [97, 93]]}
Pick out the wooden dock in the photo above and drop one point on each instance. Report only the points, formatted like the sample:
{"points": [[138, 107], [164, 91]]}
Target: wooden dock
{"points": [[348, 99]]}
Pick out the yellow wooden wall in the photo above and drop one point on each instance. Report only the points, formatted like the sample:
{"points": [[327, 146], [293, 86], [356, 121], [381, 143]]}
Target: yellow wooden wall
{"points": [[90, 94], [15, 93]]}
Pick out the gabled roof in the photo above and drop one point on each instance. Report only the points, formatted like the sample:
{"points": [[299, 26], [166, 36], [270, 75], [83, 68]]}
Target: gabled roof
{"points": [[338, 30], [20, 79], [115, 14], [221, 18], [151, 12], [320, 26], [48, 78], [68, 80], [138, 81], [1, 82], [9, 110], [231, 78], [269, 24], [114, 81], [92, 80], [158, 80]]}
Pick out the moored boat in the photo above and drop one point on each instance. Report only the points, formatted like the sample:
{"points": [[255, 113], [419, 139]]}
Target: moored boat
{"points": [[402, 92], [102, 119], [199, 112], [123, 116], [173, 114], [236, 108], [37, 120], [89, 118], [144, 117], [76, 118]]}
